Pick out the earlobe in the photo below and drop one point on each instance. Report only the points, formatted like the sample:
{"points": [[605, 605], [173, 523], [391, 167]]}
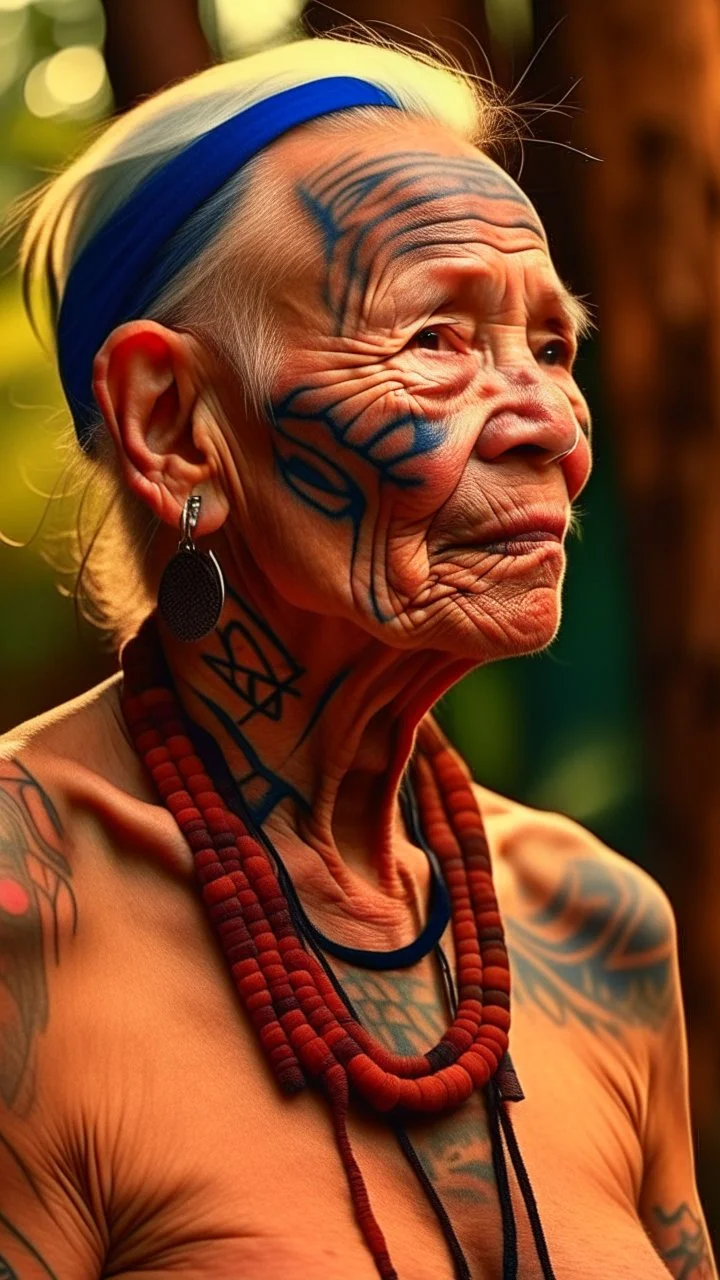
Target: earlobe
{"points": [[144, 386]]}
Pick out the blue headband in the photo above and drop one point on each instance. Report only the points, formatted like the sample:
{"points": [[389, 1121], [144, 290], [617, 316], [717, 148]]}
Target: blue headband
{"points": [[106, 285]]}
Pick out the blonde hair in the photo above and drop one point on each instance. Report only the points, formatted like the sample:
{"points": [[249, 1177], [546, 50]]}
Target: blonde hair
{"points": [[219, 267]]}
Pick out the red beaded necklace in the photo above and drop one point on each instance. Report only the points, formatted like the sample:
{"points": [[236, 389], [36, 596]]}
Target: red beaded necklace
{"points": [[305, 1028]]}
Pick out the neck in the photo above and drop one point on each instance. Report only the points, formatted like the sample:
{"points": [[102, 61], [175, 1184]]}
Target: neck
{"points": [[316, 720]]}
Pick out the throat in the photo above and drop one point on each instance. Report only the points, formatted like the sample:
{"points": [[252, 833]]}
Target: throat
{"points": [[365, 917], [315, 722]]}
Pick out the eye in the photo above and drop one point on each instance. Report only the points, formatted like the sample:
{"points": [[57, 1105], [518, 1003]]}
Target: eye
{"points": [[557, 352], [431, 339], [427, 340]]}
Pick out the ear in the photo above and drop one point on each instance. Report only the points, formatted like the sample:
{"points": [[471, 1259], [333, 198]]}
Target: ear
{"points": [[145, 380]]}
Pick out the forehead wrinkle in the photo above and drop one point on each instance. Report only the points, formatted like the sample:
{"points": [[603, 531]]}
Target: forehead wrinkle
{"points": [[345, 185], [415, 203], [418, 242], [430, 294], [418, 158], [433, 246], [362, 275], [327, 170], [401, 158], [392, 181], [422, 224], [340, 197]]}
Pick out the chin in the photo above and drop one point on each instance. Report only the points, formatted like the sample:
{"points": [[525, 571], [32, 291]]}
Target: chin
{"points": [[482, 632], [478, 617]]}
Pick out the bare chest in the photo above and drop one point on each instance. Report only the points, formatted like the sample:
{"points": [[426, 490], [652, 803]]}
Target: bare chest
{"points": [[212, 1173]]}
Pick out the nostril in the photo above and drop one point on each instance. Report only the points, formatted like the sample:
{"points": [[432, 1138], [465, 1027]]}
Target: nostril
{"points": [[531, 428], [527, 450]]}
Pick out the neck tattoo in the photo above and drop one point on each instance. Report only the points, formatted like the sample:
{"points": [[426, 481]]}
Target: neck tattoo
{"points": [[306, 1029]]}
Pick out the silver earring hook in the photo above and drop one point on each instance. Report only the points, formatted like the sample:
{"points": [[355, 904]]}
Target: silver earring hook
{"points": [[191, 594], [188, 522]]}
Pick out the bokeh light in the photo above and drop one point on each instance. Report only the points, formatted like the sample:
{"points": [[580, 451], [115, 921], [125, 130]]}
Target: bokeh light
{"points": [[241, 27], [74, 81]]}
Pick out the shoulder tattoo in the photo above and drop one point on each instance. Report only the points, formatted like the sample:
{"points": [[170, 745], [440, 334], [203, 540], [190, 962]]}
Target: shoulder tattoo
{"points": [[597, 949], [36, 904]]}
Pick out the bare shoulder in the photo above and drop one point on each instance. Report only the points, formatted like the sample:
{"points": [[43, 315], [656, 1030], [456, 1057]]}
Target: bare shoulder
{"points": [[42, 913], [83, 730], [80, 753], [73, 804], [38, 894], [73, 797], [591, 934], [536, 844]]}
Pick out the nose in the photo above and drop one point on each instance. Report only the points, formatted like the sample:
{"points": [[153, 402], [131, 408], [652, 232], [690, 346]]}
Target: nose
{"points": [[539, 423]]}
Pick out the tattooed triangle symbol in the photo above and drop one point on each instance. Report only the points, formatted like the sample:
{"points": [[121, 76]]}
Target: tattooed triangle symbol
{"points": [[256, 665], [263, 694]]}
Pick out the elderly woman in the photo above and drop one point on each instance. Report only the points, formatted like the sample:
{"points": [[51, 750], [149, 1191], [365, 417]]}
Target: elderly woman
{"points": [[256, 916]]}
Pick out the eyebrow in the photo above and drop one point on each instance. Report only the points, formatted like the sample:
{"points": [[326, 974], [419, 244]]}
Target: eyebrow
{"points": [[569, 309], [572, 311]]}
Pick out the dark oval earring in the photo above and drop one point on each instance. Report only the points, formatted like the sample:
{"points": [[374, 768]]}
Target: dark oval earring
{"points": [[192, 588]]}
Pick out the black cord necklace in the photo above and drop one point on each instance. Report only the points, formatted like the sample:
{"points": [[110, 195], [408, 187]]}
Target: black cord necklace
{"points": [[505, 1086], [439, 912]]}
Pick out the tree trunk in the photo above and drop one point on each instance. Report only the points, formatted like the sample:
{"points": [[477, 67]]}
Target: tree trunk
{"points": [[151, 43], [652, 85], [458, 26]]}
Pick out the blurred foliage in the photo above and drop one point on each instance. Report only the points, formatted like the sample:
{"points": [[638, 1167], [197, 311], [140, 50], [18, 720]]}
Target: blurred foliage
{"points": [[557, 730], [43, 660]]}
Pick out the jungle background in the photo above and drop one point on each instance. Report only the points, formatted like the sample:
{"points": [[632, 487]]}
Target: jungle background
{"points": [[618, 723]]}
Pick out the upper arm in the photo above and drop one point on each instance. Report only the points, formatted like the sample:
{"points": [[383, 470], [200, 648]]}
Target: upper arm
{"points": [[45, 1229], [669, 1204], [612, 968]]}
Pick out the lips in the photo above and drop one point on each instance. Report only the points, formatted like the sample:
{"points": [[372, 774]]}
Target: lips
{"points": [[521, 542], [512, 538]]}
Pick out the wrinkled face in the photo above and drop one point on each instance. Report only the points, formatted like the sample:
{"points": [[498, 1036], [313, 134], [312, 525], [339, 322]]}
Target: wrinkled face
{"points": [[426, 403]]}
